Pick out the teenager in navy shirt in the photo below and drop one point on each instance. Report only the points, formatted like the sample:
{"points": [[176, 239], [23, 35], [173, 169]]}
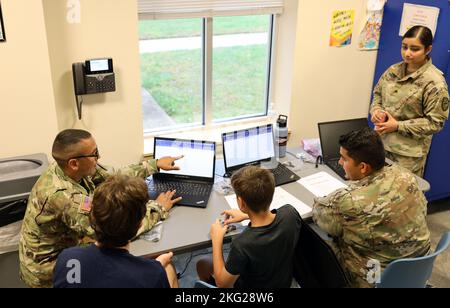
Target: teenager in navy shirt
{"points": [[118, 208]]}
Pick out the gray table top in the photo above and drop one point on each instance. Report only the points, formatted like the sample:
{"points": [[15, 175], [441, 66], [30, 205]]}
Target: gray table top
{"points": [[187, 228]]}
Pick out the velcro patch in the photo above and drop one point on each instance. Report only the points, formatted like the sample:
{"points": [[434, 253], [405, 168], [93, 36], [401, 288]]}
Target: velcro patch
{"points": [[86, 205], [444, 104]]}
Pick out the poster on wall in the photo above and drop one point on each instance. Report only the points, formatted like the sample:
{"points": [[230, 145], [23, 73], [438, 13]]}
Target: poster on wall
{"points": [[369, 36], [421, 15], [2, 28], [342, 27]]}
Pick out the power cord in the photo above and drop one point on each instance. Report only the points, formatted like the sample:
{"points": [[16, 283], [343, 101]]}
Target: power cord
{"points": [[191, 256]]}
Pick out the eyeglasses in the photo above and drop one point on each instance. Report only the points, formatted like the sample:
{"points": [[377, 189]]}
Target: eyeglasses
{"points": [[96, 154]]}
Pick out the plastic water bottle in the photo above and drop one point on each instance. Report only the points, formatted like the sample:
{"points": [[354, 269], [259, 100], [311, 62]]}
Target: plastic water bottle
{"points": [[281, 135]]}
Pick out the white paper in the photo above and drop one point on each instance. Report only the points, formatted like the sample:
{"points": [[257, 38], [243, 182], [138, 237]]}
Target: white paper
{"points": [[281, 197], [422, 15], [321, 184], [375, 5]]}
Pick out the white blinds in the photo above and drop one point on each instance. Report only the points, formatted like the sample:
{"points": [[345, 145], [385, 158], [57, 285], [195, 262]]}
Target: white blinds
{"points": [[166, 9]]}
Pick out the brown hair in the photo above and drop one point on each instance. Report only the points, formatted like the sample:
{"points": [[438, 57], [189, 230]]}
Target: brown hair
{"points": [[255, 186], [118, 208]]}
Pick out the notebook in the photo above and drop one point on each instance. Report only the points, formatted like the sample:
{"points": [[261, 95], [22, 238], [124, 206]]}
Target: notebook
{"points": [[329, 133], [195, 179], [254, 146]]}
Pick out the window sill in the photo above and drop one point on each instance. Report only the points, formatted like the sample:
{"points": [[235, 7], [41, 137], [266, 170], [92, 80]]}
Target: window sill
{"points": [[210, 133]]}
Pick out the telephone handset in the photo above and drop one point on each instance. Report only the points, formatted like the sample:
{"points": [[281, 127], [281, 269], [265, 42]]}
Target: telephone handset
{"points": [[78, 78], [92, 76]]}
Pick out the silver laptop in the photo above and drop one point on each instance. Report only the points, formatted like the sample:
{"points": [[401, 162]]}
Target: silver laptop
{"points": [[195, 179], [254, 146]]}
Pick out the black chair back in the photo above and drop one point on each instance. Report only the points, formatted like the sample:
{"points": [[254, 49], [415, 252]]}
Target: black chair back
{"points": [[315, 264]]}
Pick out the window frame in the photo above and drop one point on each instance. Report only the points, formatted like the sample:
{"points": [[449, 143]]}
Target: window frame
{"points": [[207, 80]]}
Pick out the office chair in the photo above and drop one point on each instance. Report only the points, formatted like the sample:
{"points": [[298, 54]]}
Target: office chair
{"points": [[412, 272], [203, 285], [315, 264]]}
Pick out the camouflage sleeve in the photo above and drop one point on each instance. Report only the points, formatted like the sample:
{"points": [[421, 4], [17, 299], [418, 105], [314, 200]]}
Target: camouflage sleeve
{"points": [[377, 102], [142, 170], [74, 211], [154, 214], [326, 212], [100, 175], [435, 110]]}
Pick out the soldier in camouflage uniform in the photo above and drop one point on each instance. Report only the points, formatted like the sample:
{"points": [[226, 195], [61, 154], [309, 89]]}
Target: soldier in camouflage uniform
{"points": [[378, 218], [57, 215], [410, 102]]}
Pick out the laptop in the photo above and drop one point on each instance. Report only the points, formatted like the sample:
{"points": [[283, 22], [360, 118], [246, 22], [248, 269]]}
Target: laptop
{"points": [[254, 146], [195, 179], [329, 133]]}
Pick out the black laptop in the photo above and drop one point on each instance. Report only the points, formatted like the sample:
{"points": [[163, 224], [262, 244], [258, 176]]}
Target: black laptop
{"points": [[329, 133], [254, 146], [195, 179]]}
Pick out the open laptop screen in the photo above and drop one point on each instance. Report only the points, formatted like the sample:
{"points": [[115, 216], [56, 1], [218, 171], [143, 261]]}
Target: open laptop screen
{"points": [[199, 156], [330, 132], [248, 146]]}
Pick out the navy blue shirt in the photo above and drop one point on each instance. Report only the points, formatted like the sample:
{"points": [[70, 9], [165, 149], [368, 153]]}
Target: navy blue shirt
{"points": [[94, 267]]}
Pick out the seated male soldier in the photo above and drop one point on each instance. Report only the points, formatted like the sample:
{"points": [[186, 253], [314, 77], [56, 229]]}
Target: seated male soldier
{"points": [[57, 215], [378, 218]]}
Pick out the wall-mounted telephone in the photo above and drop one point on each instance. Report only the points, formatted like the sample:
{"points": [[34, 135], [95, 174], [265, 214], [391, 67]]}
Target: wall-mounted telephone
{"points": [[92, 76]]}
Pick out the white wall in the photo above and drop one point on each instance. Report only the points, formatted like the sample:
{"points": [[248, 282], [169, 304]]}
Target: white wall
{"points": [[323, 83], [107, 29], [284, 53], [27, 110], [329, 83]]}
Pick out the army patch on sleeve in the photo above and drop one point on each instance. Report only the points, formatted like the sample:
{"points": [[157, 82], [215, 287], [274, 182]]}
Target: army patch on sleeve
{"points": [[444, 104], [86, 205]]}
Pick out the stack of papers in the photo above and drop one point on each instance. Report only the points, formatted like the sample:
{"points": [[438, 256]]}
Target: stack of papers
{"points": [[321, 184], [280, 198]]}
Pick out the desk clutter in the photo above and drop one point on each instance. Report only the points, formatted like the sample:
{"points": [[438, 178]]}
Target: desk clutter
{"points": [[281, 197]]}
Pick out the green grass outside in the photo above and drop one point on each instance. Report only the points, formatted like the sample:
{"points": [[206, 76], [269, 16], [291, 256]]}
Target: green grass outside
{"points": [[157, 29], [174, 80]]}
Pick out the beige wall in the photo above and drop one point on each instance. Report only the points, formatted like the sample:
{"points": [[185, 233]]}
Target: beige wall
{"points": [[329, 83], [27, 110], [107, 29], [284, 53], [323, 83]]}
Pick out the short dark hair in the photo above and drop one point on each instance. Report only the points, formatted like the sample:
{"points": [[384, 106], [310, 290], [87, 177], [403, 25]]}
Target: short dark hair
{"points": [[422, 33], [364, 145], [64, 142], [118, 208], [255, 186]]}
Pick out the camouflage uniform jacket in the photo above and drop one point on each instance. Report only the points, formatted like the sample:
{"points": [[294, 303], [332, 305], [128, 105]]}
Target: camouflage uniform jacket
{"points": [[419, 102], [57, 217], [380, 217]]}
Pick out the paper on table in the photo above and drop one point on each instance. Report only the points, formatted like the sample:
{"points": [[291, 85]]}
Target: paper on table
{"points": [[281, 197], [321, 184]]}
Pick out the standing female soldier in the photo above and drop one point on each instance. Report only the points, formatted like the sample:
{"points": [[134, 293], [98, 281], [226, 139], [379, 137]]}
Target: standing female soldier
{"points": [[410, 102]]}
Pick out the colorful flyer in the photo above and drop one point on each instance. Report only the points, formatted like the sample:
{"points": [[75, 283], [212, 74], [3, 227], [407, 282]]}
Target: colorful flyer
{"points": [[370, 35], [342, 27]]}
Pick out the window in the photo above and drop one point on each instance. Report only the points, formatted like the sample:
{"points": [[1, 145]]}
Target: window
{"points": [[240, 66], [171, 73], [197, 71]]}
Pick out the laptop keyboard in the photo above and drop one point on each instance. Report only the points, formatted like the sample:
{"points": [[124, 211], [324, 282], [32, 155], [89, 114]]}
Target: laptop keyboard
{"points": [[182, 188], [283, 175], [280, 170]]}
